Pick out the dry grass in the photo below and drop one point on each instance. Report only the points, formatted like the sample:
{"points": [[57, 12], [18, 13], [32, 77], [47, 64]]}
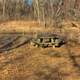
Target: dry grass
{"points": [[21, 26], [30, 63]]}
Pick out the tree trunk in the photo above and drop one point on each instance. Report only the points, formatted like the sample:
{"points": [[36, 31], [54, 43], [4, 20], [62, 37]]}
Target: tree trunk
{"points": [[4, 8]]}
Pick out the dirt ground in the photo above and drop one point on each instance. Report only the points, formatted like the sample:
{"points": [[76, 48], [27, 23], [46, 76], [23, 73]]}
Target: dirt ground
{"points": [[30, 63]]}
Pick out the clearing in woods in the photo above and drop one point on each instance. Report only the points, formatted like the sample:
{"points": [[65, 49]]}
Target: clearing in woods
{"points": [[30, 63]]}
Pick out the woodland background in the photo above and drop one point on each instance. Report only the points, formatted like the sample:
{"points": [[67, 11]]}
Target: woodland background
{"points": [[48, 11]]}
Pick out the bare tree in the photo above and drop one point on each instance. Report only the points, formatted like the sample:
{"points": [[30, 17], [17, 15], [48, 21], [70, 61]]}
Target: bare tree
{"points": [[4, 8], [49, 12]]}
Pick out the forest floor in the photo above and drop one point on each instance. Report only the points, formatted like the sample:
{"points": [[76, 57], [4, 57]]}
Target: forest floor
{"points": [[30, 63]]}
